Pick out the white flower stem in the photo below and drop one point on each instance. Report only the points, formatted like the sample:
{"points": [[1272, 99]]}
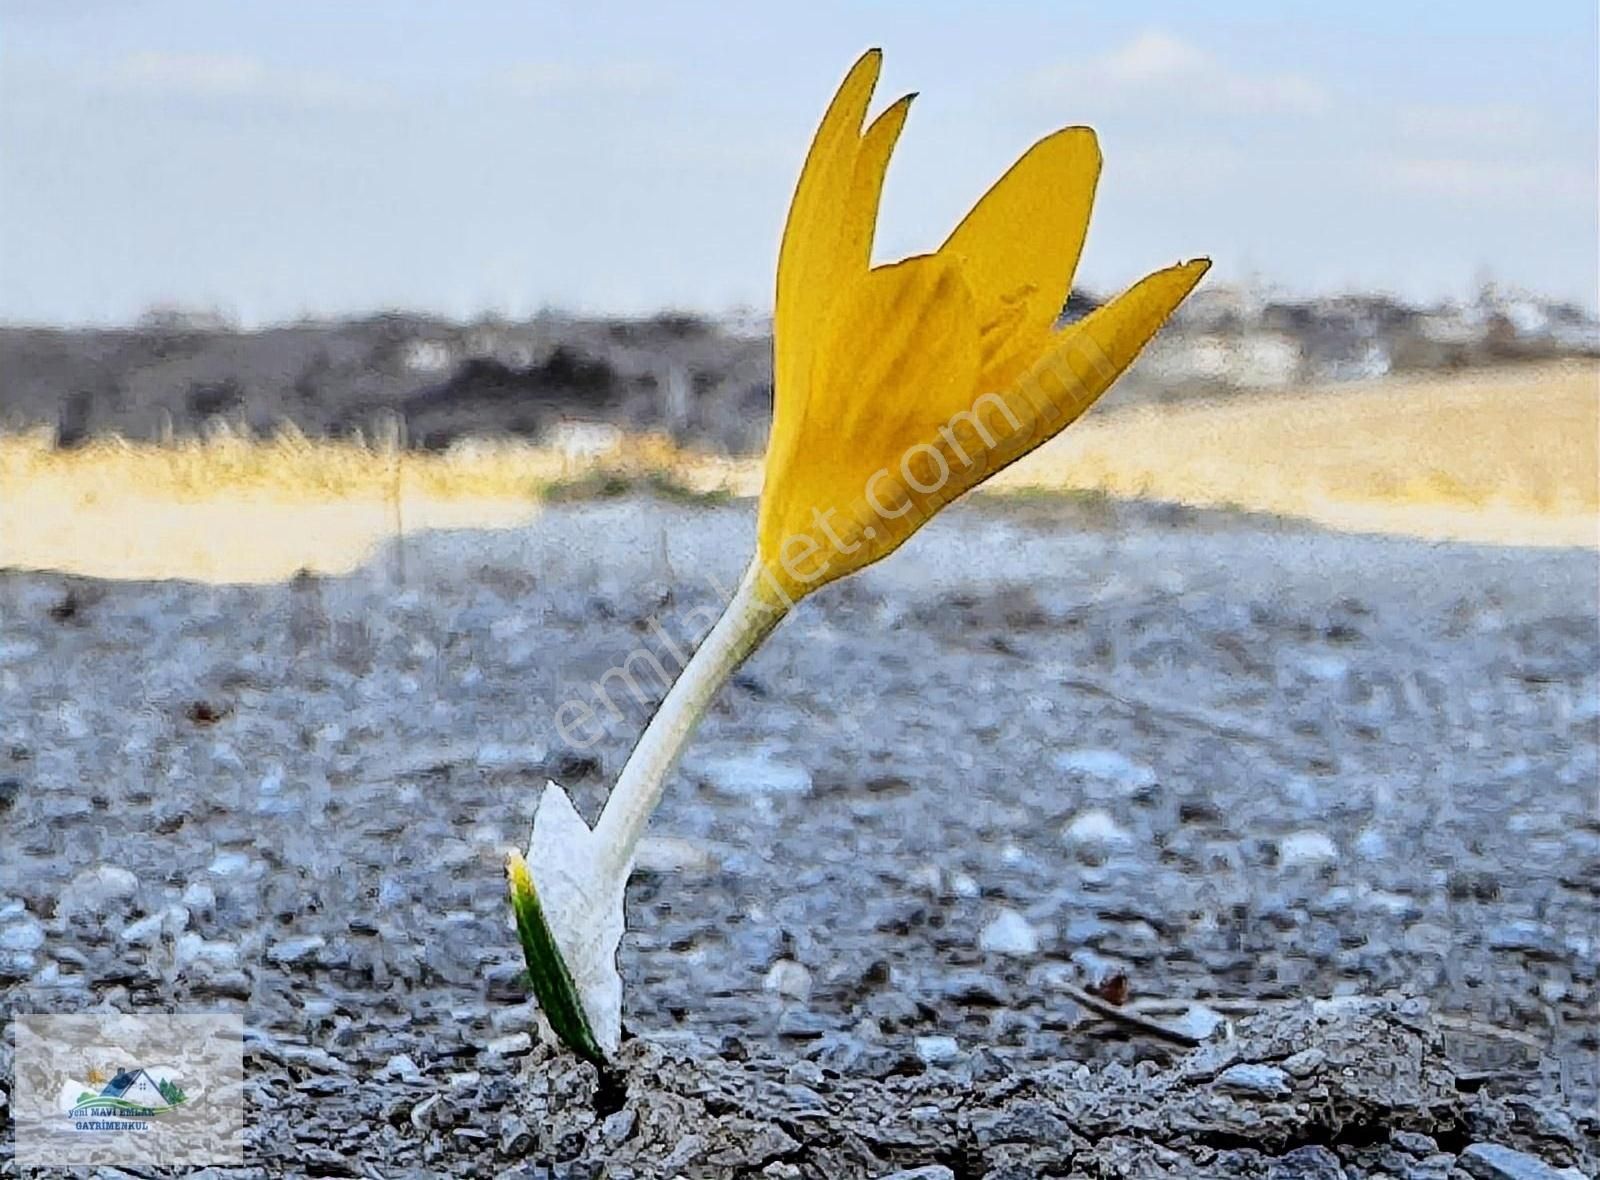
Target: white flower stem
{"points": [[747, 619]]}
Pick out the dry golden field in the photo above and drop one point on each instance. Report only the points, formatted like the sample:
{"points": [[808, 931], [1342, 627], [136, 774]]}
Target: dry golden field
{"points": [[1496, 457], [1502, 457]]}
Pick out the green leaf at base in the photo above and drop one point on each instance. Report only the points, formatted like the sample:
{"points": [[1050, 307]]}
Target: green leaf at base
{"points": [[552, 982]]}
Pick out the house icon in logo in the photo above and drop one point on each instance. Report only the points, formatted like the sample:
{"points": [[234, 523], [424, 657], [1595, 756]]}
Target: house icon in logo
{"points": [[135, 1086]]}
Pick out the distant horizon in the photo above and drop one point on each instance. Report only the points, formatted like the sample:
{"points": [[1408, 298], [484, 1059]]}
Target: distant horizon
{"points": [[1272, 292], [618, 159]]}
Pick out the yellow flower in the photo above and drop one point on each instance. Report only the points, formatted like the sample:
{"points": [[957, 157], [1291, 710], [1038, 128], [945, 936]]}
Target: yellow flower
{"points": [[897, 388]]}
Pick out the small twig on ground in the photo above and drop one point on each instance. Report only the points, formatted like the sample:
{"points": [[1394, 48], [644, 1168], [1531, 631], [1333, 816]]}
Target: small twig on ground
{"points": [[1478, 1028], [1132, 1019], [1174, 1004], [1135, 1013], [1207, 719]]}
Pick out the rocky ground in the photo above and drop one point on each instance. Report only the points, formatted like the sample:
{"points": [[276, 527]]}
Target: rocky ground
{"points": [[1212, 760]]}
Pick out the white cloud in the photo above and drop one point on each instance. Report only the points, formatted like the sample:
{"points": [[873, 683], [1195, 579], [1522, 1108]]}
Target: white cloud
{"points": [[1499, 123], [1157, 66], [227, 76], [1508, 181], [1152, 57], [545, 79]]}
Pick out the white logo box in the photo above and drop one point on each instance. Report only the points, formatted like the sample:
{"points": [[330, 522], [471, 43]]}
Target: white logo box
{"points": [[118, 1088]]}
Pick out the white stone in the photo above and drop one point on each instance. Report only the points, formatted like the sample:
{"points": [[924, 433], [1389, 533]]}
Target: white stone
{"points": [[403, 1067], [145, 930], [1371, 845], [963, 885], [1396, 905], [1199, 1021], [1306, 849], [1324, 668], [92, 890], [422, 1112], [1108, 766], [496, 756], [20, 963], [1255, 1081], [789, 979], [1008, 933], [296, 950], [27, 935], [1096, 828], [925, 876], [511, 1045], [231, 864], [937, 1050], [223, 754], [673, 854], [754, 775], [1304, 1063], [191, 948]]}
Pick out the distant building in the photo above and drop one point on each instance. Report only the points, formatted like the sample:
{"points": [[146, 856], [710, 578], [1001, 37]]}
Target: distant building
{"points": [[582, 442], [747, 324], [1222, 307], [504, 343], [427, 356], [1451, 324], [1246, 359]]}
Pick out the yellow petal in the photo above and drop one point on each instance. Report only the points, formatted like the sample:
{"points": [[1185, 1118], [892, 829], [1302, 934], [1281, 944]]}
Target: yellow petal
{"points": [[989, 430], [1020, 245], [1083, 359], [896, 357], [898, 389], [866, 189], [897, 426], [809, 260]]}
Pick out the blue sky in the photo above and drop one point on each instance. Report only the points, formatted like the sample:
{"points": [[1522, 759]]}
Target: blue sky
{"points": [[288, 158]]}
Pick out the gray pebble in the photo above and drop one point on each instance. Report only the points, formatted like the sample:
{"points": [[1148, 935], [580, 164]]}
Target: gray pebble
{"points": [[618, 1126], [1494, 1161], [295, 951], [26, 935], [516, 1137], [1255, 1081]]}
